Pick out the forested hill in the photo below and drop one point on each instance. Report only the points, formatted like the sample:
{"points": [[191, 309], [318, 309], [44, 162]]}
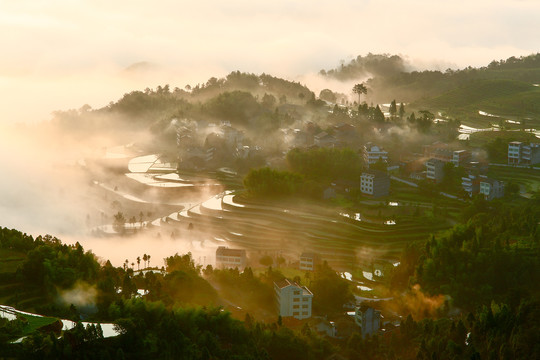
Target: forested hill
{"points": [[505, 87], [246, 100]]}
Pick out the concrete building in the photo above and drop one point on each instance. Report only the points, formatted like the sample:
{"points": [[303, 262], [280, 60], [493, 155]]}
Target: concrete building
{"points": [[435, 170], [481, 184], [308, 261], [293, 300], [230, 258], [523, 154], [491, 188], [368, 319], [375, 183], [373, 153], [441, 151], [471, 184], [460, 157]]}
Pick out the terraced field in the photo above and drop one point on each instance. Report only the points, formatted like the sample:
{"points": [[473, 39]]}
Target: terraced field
{"points": [[528, 179], [269, 227]]}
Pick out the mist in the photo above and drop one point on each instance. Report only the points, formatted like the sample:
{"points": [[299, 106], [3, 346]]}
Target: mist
{"points": [[59, 57]]}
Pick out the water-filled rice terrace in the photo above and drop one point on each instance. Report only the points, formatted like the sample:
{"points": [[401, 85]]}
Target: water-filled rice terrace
{"points": [[264, 226]]}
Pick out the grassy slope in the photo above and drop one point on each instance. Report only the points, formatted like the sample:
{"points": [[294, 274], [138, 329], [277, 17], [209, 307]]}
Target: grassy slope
{"points": [[508, 98], [529, 179]]}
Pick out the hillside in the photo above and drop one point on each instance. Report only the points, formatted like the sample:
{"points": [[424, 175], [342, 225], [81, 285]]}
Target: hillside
{"points": [[506, 98], [506, 87]]}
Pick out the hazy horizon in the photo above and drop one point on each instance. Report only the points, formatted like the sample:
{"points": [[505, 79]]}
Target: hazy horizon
{"points": [[61, 55]]}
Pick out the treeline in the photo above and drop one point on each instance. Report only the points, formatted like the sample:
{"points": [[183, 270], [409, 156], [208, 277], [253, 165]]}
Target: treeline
{"points": [[310, 172], [493, 332], [150, 330], [369, 65], [168, 322], [494, 256], [390, 77], [325, 164]]}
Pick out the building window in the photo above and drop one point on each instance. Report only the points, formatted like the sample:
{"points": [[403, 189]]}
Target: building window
{"points": [[296, 299], [296, 306], [304, 312], [296, 313], [296, 293], [304, 306]]}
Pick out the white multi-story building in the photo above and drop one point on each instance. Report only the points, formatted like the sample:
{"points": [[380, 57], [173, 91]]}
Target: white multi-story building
{"points": [[470, 184], [372, 153], [293, 300], [490, 188], [523, 154], [230, 258], [374, 183], [435, 170], [308, 261]]}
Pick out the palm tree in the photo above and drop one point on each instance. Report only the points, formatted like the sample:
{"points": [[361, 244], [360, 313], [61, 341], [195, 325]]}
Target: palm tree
{"points": [[145, 258], [148, 260], [359, 89], [138, 262]]}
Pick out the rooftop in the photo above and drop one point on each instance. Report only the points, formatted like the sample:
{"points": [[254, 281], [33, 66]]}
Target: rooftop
{"points": [[225, 251]]}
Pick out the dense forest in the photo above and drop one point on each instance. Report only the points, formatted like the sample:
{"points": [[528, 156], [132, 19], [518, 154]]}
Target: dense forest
{"points": [[487, 313]]}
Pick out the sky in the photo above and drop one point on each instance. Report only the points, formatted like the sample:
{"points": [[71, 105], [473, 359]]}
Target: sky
{"points": [[62, 54]]}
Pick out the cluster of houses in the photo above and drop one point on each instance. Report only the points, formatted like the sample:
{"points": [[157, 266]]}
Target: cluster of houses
{"points": [[439, 154], [295, 301], [376, 183], [203, 145], [520, 153], [341, 135]]}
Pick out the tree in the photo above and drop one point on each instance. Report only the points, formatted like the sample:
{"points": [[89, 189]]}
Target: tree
{"points": [[424, 123], [327, 95], [266, 260], [393, 109], [359, 89], [268, 100], [138, 262], [145, 258], [412, 119], [377, 115], [401, 111], [119, 223]]}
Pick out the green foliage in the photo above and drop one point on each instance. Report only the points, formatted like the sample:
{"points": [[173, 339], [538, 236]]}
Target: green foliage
{"points": [[497, 150], [376, 115], [330, 291], [325, 164], [238, 107], [52, 266], [149, 330], [371, 64], [267, 182], [244, 289], [266, 260], [359, 89], [424, 122], [327, 95], [401, 111], [477, 262], [393, 109]]}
